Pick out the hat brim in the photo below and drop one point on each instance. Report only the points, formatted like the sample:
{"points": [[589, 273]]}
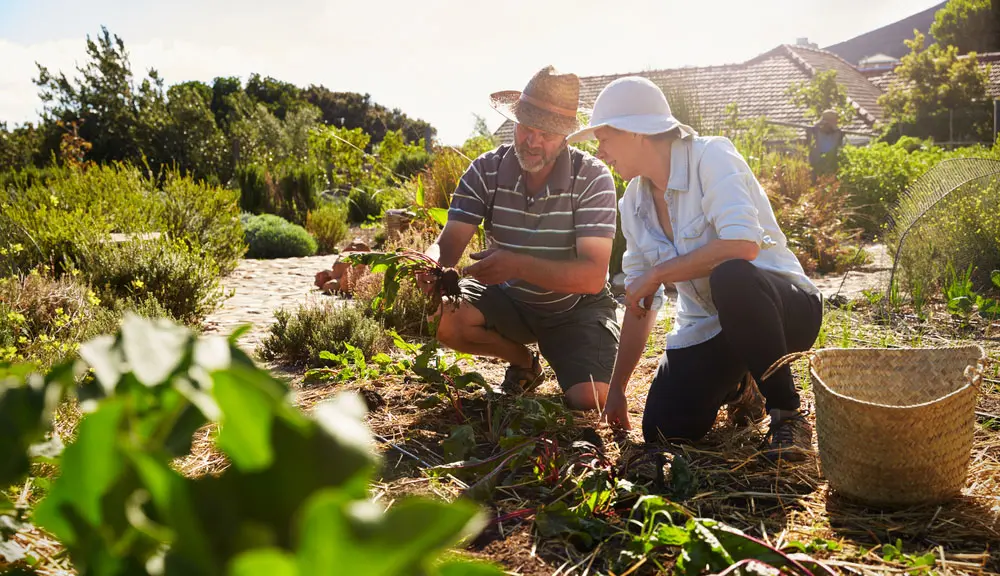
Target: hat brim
{"points": [[638, 124], [509, 104]]}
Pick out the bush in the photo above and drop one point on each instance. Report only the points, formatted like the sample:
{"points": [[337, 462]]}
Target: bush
{"points": [[363, 205], [251, 179], [55, 220], [184, 281], [874, 176], [410, 163], [270, 236], [328, 225], [962, 230], [207, 217], [299, 192], [299, 337], [43, 319], [811, 215]]}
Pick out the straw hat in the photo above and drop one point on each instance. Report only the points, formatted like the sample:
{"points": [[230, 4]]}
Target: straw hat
{"points": [[633, 104], [549, 102]]}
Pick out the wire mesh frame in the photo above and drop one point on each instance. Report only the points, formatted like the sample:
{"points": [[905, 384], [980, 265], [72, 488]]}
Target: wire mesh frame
{"points": [[926, 192]]}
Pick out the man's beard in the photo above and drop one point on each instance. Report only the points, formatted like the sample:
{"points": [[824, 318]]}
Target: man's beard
{"points": [[538, 165]]}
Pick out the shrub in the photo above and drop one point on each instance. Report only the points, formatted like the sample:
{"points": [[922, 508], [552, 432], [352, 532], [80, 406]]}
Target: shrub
{"points": [[875, 175], [299, 189], [962, 230], [328, 225], [811, 215], [409, 311], [43, 319], [184, 281], [363, 205], [298, 337], [56, 220], [271, 236], [207, 217], [251, 179], [410, 163]]}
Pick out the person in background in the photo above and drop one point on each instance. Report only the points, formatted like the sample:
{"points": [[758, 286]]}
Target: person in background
{"points": [[824, 140], [695, 216], [549, 211]]}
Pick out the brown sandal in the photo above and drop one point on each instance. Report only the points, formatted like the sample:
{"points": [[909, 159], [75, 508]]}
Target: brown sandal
{"points": [[518, 380]]}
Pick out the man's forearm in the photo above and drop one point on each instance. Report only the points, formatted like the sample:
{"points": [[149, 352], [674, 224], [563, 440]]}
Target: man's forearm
{"points": [[635, 333], [580, 276], [699, 263]]}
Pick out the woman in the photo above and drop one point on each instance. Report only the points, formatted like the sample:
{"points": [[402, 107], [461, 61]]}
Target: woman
{"points": [[695, 216]]}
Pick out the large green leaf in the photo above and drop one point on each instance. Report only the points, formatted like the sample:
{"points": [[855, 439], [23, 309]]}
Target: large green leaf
{"points": [[153, 349], [401, 541], [245, 429], [90, 467], [264, 562]]}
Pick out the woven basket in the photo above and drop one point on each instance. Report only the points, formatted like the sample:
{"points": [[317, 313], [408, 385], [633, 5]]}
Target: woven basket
{"points": [[895, 426]]}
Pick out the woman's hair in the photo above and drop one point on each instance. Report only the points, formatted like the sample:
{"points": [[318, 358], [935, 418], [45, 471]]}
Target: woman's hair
{"points": [[667, 136]]}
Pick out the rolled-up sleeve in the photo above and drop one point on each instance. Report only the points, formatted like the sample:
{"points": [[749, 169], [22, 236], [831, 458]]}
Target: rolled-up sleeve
{"points": [[634, 263], [729, 188]]}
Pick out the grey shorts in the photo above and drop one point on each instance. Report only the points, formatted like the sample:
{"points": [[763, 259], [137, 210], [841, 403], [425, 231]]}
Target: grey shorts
{"points": [[579, 344]]}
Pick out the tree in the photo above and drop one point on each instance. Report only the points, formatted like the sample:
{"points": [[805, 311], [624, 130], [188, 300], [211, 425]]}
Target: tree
{"points": [[933, 87], [18, 146], [821, 93], [351, 110], [969, 25]]}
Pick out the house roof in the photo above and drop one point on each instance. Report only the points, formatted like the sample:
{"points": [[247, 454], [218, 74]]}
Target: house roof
{"points": [[758, 86], [987, 59], [888, 39]]}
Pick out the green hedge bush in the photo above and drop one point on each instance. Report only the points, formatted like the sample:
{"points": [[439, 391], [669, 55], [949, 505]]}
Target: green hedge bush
{"points": [[271, 236]]}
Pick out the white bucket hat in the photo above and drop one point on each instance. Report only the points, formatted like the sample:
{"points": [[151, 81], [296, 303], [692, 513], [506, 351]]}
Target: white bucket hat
{"points": [[633, 104]]}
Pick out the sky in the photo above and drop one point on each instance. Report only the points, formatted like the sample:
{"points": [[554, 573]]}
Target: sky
{"points": [[437, 60]]}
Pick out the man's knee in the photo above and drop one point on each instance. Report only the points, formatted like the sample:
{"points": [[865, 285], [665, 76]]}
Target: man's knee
{"points": [[587, 395]]}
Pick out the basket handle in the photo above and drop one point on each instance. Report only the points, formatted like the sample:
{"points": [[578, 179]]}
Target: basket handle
{"points": [[785, 360]]}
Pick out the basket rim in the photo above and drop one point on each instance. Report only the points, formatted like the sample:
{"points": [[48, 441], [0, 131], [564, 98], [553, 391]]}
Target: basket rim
{"points": [[960, 390]]}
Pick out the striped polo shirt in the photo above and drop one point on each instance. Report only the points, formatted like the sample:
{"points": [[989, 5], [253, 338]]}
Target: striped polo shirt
{"points": [[546, 225]]}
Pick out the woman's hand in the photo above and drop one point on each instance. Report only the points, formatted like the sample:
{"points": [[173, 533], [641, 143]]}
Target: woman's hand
{"points": [[615, 411], [639, 295]]}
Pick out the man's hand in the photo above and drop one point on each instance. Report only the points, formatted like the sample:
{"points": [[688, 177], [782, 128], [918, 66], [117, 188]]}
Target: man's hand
{"points": [[615, 411], [494, 266], [639, 295]]}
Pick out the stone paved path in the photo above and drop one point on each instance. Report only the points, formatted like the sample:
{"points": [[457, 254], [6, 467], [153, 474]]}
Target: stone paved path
{"points": [[259, 287]]}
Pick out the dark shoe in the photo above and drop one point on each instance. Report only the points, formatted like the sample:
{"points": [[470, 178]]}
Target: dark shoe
{"points": [[788, 438], [518, 380], [748, 407]]}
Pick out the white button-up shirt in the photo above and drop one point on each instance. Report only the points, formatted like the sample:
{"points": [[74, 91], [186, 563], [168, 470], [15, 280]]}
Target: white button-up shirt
{"points": [[711, 193]]}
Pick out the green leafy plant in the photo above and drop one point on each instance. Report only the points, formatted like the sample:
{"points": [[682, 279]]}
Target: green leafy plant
{"points": [[351, 365], [402, 264], [294, 499]]}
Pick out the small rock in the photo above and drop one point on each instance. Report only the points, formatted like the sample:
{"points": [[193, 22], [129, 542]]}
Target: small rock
{"points": [[323, 277], [357, 245]]}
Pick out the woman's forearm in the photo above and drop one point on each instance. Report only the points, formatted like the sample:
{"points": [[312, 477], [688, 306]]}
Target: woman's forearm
{"points": [[635, 333], [700, 262]]}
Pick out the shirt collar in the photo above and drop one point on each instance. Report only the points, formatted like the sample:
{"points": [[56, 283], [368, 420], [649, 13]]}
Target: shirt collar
{"points": [[678, 179]]}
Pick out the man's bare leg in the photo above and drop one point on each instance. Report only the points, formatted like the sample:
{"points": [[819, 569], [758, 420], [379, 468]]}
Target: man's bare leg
{"points": [[465, 330], [587, 395]]}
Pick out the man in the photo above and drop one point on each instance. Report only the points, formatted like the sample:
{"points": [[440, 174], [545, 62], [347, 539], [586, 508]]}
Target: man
{"points": [[824, 139], [550, 212]]}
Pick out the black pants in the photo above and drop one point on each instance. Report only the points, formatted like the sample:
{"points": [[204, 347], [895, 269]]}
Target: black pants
{"points": [[763, 317]]}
